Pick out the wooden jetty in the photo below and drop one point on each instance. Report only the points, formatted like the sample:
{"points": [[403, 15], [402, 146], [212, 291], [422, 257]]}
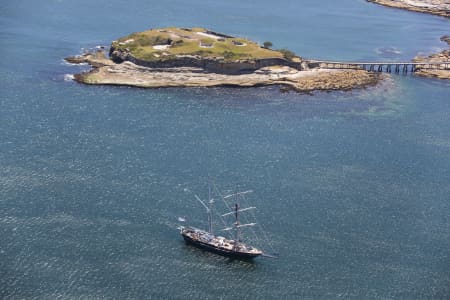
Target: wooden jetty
{"points": [[397, 67]]}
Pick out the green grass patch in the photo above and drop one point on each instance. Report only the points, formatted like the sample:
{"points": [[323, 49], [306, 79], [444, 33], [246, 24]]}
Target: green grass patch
{"points": [[190, 42]]}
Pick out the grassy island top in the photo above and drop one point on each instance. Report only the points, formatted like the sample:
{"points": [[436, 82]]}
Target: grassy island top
{"points": [[167, 43]]}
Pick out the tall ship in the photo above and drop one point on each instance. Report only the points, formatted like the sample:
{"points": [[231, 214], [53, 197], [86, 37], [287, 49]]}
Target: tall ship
{"points": [[232, 247]]}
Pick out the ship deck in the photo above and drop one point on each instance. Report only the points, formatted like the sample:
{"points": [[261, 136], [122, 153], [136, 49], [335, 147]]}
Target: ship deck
{"points": [[218, 244]]}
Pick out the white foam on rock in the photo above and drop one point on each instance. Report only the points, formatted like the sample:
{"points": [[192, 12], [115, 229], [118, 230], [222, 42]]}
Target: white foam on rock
{"points": [[68, 77]]}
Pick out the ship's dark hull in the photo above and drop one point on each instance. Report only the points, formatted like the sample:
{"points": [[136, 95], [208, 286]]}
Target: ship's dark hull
{"points": [[224, 252]]}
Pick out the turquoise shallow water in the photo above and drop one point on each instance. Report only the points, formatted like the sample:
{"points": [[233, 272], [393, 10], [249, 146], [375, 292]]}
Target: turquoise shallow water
{"points": [[352, 187]]}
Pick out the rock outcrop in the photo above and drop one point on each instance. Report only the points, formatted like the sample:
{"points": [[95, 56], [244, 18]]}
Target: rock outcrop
{"points": [[435, 7], [108, 72], [213, 65], [438, 57]]}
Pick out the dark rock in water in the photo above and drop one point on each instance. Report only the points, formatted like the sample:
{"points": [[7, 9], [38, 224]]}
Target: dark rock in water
{"points": [[445, 38], [286, 89], [95, 58], [388, 51]]}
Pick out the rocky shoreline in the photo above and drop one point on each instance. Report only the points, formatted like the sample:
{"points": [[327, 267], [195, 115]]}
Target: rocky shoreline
{"points": [[107, 72], [438, 57], [435, 7]]}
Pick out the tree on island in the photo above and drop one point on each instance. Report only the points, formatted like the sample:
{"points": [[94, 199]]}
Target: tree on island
{"points": [[267, 44], [287, 54]]}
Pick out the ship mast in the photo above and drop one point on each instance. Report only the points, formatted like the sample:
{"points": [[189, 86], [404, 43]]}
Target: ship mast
{"points": [[210, 201], [236, 210], [236, 225]]}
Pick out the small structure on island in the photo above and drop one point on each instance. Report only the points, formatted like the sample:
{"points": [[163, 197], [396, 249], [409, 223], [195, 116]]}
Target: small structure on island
{"points": [[204, 44], [238, 43]]}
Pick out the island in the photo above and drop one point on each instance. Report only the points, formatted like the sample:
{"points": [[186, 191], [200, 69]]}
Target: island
{"points": [[197, 57]]}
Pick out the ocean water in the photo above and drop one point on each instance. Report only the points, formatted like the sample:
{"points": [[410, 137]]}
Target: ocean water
{"points": [[352, 188]]}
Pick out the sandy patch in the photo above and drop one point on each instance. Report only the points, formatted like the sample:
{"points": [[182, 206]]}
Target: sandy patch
{"points": [[161, 47]]}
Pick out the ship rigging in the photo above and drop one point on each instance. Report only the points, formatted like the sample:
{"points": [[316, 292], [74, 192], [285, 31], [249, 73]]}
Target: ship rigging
{"points": [[231, 247]]}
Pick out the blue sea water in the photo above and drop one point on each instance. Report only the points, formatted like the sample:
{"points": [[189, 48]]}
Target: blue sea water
{"points": [[351, 187]]}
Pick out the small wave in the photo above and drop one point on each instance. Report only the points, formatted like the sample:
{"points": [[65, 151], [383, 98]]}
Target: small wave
{"points": [[68, 77]]}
